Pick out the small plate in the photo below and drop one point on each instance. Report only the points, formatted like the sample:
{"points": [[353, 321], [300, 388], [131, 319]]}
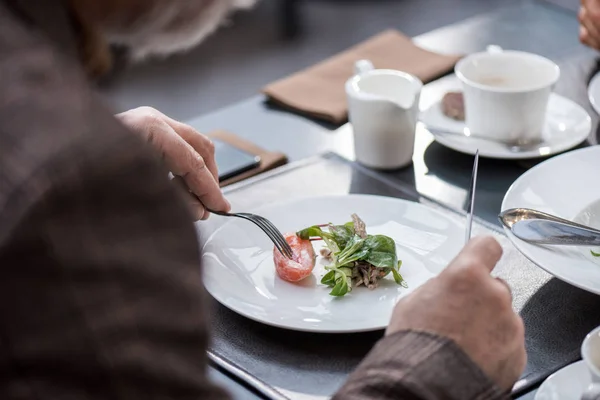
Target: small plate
{"points": [[567, 384], [594, 92], [239, 271], [567, 125]]}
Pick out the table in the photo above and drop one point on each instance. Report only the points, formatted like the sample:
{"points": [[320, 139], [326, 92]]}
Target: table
{"points": [[437, 172]]}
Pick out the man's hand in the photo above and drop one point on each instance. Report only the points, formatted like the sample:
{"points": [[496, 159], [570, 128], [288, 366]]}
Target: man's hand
{"points": [[189, 155], [589, 23], [467, 305]]}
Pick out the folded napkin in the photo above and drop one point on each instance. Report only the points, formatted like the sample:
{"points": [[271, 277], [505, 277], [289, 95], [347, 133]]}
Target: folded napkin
{"points": [[268, 159], [319, 90]]}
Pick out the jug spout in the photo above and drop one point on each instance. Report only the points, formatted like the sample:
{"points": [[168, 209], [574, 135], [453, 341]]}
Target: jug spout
{"points": [[396, 88]]}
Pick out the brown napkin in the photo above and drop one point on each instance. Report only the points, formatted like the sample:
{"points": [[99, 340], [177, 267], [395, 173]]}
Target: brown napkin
{"points": [[268, 159], [319, 90]]}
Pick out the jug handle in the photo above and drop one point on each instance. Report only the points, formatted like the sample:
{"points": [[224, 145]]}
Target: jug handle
{"points": [[362, 66]]}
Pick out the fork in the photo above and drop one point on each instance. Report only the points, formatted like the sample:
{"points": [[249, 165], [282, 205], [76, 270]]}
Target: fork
{"points": [[267, 227]]}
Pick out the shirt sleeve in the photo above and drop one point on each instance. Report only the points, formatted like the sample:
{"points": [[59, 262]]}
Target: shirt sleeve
{"points": [[412, 365], [101, 294]]}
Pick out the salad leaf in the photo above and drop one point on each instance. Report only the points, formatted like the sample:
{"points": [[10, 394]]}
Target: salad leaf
{"points": [[341, 284], [355, 250], [329, 278], [594, 253], [382, 251], [311, 231], [397, 277], [316, 231], [342, 234]]}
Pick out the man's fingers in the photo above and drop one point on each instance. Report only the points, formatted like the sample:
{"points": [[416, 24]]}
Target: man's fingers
{"points": [[184, 161], [194, 204], [593, 8], [143, 119], [186, 153], [481, 252], [202, 144], [589, 33], [587, 39], [203, 184], [585, 18], [506, 286]]}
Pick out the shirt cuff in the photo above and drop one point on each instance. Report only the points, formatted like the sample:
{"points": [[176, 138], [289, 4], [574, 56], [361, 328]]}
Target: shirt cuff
{"points": [[419, 365]]}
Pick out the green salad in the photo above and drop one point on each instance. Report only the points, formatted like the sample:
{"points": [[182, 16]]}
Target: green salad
{"points": [[356, 257]]}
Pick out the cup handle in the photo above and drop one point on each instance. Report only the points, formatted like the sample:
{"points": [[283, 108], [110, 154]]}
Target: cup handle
{"points": [[592, 392], [494, 49], [363, 66]]}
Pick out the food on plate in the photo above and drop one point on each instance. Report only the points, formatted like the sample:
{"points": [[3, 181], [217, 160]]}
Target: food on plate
{"points": [[302, 263], [594, 253], [453, 105], [356, 257]]}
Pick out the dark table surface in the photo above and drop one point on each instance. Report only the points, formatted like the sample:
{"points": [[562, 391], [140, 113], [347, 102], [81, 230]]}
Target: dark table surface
{"points": [[437, 172]]}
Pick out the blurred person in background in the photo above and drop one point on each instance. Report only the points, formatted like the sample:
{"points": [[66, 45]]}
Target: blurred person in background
{"points": [[101, 294]]}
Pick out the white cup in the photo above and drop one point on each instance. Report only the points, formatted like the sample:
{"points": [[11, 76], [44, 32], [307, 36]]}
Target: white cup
{"points": [[506, 93], [590, 352], [383, 108]]}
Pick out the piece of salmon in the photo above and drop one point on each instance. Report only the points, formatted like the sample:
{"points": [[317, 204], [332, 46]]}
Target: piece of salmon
{"points": [[303, 261]]}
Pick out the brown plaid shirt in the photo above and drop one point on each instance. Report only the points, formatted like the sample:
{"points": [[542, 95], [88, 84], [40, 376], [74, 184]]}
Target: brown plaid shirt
{"points": [[100, 289]]}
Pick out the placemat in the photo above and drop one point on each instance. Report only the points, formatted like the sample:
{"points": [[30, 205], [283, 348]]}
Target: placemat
{"points": [[319, 91], [283, 364]]}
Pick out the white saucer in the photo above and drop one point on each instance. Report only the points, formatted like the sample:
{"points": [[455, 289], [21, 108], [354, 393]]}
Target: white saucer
{"points": [[567, 125], [567, 384], [594, 92]]}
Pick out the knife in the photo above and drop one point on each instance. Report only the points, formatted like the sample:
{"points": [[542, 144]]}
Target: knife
{"points": [[542, 231], [471, 198], [542, 228]]}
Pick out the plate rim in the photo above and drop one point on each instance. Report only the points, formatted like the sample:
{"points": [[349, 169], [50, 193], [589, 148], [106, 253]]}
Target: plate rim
{"points": [[574, 365], [595, 81], [521, 245], [291, 201], [527, 155]]}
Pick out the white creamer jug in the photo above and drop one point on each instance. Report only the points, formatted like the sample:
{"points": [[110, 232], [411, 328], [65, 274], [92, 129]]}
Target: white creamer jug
{"points": [[383, 108]]}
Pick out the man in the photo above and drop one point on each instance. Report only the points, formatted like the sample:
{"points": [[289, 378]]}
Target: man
{"points": [[101, 294]]}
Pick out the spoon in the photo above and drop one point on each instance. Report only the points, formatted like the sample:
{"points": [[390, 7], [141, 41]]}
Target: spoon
{"points": [[542, 228], [512, 147]]}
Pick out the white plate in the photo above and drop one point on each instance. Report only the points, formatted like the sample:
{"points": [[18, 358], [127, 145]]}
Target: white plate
{"points": [[239, 270], [567, 125], [566, 186], [567, 384], [594, 92]]}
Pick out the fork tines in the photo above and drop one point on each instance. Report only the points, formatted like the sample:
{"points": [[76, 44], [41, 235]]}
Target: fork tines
{"points": [[272, 232], [267, 227]]}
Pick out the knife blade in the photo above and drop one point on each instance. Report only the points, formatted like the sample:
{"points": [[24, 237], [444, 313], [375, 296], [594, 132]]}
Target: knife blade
{"points": [[471, 197], [542, 231]]}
